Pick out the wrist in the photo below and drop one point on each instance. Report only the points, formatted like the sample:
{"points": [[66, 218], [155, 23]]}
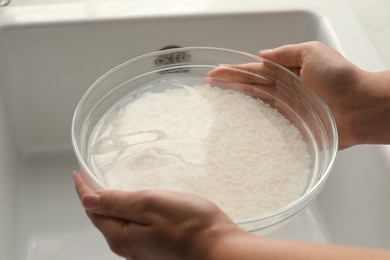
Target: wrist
{"points": [[214, 242], [370, 118], [236, 245]]}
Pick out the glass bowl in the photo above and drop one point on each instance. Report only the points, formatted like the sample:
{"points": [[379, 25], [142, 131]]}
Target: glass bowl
{"points": [[226, 70]]}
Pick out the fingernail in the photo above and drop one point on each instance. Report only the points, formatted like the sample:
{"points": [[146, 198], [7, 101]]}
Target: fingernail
{"points": [[91, 201]]}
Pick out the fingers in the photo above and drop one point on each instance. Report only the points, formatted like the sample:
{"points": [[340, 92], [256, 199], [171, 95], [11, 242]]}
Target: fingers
{"points": [[119, 233], [151, 205], [81, 186], [293, 55], [290, 56], [243, 73], [118, 204], [260, 80], [109, 215], [263, 92], [245, 78], [88, 198]]}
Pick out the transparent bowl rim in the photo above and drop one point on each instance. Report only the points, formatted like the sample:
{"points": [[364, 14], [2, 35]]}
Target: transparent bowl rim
{"points": [[302, 200]]}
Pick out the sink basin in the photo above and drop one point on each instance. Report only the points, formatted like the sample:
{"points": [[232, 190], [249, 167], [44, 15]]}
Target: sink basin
{"points": [[50, 54]]}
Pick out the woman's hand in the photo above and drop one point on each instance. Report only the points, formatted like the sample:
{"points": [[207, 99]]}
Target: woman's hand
{"points": [[359, 100], [330, 75], [155, 224]]}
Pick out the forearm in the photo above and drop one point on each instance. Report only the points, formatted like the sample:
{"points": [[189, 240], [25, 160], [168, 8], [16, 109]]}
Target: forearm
{"points": [[371, 111], [252, 247]]}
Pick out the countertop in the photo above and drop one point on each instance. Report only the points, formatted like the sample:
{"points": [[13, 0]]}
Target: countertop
{"points": [[372, 14]]}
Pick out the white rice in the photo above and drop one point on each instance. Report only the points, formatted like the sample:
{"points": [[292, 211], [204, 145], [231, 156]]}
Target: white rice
{"points": [[226, 146]]}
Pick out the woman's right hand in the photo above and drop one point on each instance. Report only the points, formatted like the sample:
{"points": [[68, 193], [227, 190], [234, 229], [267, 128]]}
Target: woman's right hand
{"points": [[358, 99]]}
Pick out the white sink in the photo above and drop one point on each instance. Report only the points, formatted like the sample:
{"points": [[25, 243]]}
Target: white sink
{"points": [[50, 55]]}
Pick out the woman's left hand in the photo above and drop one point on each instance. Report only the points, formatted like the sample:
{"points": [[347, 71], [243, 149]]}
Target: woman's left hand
{"points": [[155, 224]]}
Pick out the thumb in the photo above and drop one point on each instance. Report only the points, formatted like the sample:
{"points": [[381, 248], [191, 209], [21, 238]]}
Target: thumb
{"points": [[116, 204], [287, 55]]}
